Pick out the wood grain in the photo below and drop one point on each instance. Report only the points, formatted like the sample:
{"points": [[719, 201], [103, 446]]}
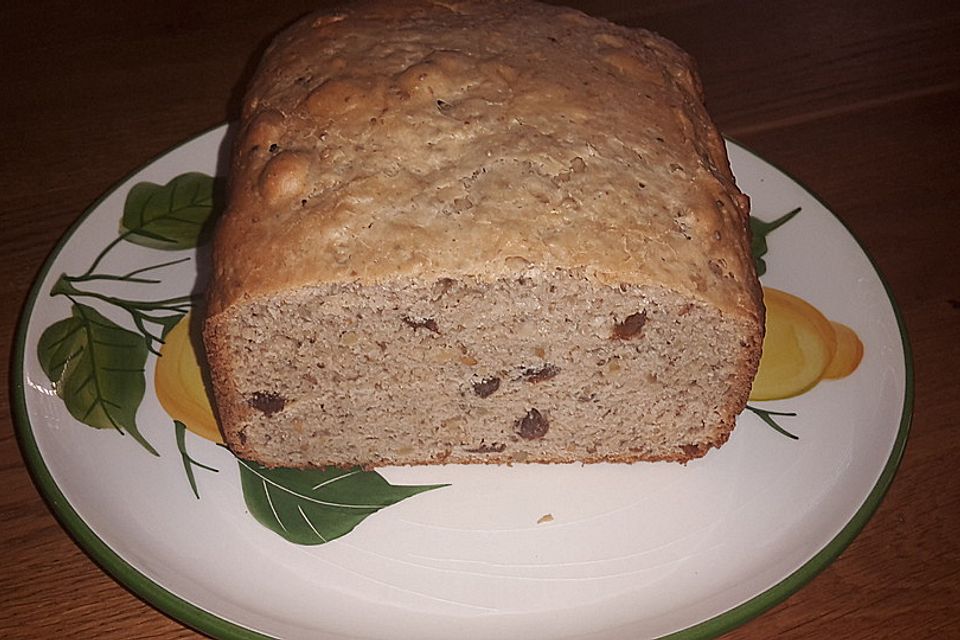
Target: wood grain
{"points": [[860, 101]]}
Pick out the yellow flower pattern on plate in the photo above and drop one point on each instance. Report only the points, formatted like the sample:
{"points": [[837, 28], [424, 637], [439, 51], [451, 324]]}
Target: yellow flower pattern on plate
{"points": [[180, 385], [801, 348]]}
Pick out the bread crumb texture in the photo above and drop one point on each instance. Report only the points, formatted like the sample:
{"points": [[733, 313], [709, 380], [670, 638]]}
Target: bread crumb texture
{"points": [[479, 232]]}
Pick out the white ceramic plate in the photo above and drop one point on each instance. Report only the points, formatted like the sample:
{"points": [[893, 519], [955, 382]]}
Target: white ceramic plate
{"points": [[641, 551]]}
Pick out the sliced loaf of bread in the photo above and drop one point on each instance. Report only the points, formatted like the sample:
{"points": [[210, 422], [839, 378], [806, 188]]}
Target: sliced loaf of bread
{"points": [[479, 232]]}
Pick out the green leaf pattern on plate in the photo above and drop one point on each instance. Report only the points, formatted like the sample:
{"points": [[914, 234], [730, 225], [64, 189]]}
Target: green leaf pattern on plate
{"points": [[760, 230], [96, 367], [188, 462], [172, 216], [315, 506]]}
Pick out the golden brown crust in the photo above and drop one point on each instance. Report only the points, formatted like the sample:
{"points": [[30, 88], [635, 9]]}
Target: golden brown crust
{"points": [[425, 138]]}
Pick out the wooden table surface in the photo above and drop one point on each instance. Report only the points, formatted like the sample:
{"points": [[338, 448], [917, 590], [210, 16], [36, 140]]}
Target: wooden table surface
{"points": [[858, 100]]}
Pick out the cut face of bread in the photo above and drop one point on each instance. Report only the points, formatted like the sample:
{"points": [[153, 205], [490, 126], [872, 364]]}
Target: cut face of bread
{"points": [[547, 366], [479, 232]]}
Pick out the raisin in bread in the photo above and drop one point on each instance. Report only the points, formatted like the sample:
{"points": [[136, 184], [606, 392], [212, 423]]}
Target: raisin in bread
{"points": [[478, 232]]}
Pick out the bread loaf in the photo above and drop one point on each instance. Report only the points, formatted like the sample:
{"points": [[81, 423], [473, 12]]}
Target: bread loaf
{"points": [[478, 232]]}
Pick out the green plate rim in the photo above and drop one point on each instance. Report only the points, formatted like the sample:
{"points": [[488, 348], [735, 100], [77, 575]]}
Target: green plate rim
{"points": [[208, 623]]}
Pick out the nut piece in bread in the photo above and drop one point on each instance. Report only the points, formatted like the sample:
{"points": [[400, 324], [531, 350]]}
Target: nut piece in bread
{"points": [[479, 232]]}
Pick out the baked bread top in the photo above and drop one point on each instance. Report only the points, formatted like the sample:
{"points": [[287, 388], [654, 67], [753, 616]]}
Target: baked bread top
{"points": [[432, 139]]}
